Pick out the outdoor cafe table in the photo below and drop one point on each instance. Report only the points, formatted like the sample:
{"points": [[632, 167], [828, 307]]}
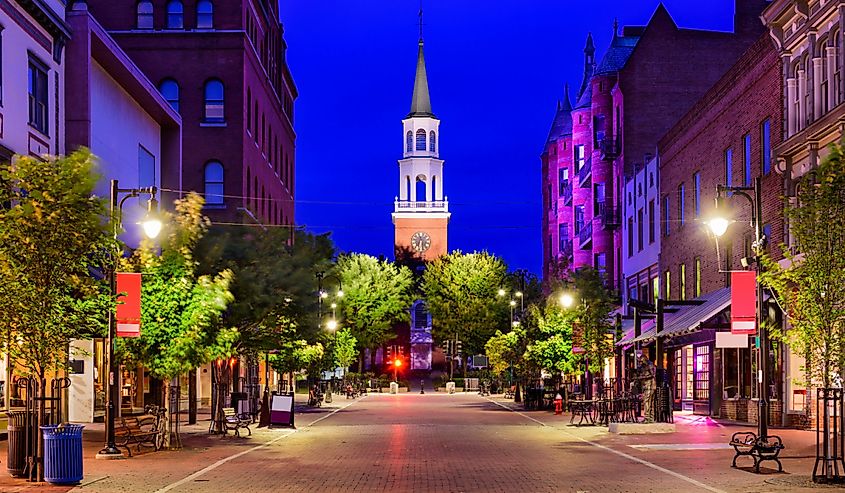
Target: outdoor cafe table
{"points": [[582, 408]]}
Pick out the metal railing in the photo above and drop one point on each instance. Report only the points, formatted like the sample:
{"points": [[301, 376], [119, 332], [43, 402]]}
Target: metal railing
{"points": [[584, 173], [436, 205], [566, 248], [567, 193], [586, 234], [609, 148], [609, 216]]}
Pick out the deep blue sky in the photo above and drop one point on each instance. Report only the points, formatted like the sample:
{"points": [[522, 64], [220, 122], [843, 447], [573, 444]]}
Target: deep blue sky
{"points": [[495, 69]]}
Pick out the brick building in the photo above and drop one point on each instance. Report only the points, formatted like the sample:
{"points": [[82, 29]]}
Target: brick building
{"points": [[641, 86], [809, 37], [726, 138], [222, 66]]}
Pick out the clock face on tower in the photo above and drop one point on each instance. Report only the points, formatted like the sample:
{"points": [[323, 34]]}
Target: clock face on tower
{"points": [[421, 242]]}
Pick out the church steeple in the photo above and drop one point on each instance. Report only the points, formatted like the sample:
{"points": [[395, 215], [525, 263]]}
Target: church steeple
{"points": [[420, 101]]}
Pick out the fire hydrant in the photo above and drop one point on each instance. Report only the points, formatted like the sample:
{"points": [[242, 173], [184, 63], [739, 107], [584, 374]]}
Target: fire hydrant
{"points": [[558, 404]]}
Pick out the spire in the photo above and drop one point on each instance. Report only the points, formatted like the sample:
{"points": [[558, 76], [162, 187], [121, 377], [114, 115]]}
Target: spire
{"points": [[590, 49], [589, 65], [567, 104], [615, 27], [420, 102]]}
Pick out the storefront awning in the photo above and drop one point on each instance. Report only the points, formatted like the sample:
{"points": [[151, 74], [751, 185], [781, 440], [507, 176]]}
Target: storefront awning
{"points": [[687, 318]]}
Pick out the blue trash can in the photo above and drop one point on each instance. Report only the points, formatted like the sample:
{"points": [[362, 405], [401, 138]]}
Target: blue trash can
{"points": [[62, 453]]}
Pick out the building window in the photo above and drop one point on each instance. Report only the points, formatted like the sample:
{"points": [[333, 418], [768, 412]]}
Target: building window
{"points": [[766, 144], [213, 92], [249, 110], [682, 287], [409, 141], [729, 167], [432, 141], [681, 204], [420, 140], [746, 160], [563, 180], [144, 14], [630, 236], [579, 218], [767, 233], [697, 275], [823, 83], [651, 220], [640, 229], [38, 102], [580, 158], [213, 176], [667, 284], [205, 14], [563, 236], [601, 264], [666, 216], [1, 65], [696, 183], [146, 168], [175, 14], [169, 89]]}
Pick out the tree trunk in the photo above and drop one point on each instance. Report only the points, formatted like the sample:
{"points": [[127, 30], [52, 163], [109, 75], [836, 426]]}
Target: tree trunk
{"points": [[164, 399]]}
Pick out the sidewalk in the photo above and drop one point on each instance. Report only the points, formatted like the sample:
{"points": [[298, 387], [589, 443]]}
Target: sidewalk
{"points": [[199, 448], [699, 439]]}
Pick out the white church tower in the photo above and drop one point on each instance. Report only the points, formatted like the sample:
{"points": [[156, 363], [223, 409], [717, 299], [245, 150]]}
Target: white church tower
{"points": [[421, 210]]}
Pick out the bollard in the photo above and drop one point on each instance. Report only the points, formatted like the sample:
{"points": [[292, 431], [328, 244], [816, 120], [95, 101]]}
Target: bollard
{"points": [[422, 386]]}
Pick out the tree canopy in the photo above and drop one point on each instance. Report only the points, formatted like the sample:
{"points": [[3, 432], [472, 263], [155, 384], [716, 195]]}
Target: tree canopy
{"points": [[812, 285], [461, 291], [180, 310], [52, 238]]}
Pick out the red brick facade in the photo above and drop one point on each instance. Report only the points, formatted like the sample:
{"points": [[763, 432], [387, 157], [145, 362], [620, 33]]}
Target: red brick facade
{"points": [[245, 50], [736, 107]]}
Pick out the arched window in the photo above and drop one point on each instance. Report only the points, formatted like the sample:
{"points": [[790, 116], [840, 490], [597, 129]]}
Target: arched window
{"points": [[421, 186], [420, 140], [837, 66], [409, 141], [434, 187], [214, 183], [169, 89], [824, 83], [432, 141], [408, 187], [144, 11], [175, 17], [205, 14], [213, 93]]}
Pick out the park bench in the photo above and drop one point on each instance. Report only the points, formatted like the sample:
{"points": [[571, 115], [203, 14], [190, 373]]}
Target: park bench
{"points": [[762, 449], [234, 421], [138, 430]]}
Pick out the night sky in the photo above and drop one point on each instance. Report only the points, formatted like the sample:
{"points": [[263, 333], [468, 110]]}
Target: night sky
{"points": [[495, 70]]}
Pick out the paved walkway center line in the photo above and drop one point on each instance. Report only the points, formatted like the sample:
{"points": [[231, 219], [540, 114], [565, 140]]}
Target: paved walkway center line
{"points": [[224, 460], [621, 454]]}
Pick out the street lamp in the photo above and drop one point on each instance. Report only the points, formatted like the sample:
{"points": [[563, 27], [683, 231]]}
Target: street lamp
{"points": [[501, 292], [512, 304], [151, 225], [566, 300], [331, 325], [719, 225], [518, 294]]}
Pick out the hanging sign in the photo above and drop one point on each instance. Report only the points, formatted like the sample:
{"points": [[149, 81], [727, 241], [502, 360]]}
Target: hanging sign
{"points": [[743, 302], [128, 316]]}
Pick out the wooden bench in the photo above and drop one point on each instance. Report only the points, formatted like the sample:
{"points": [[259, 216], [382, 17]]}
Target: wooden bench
{"points": [[142, 430], [746, 443], [235, 421]]}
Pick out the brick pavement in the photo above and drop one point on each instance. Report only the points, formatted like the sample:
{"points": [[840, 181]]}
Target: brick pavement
{"points": [[435, 442]]}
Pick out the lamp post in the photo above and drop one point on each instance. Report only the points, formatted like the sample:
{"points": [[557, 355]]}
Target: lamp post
{"points": [[331, 325], [719, 225], [151, 225]]}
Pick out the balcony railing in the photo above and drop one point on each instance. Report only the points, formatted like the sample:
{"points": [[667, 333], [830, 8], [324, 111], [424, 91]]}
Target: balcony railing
{"points": [[608, 215], [584, 173], [567, 193], [585, 235], [609, 148], [433, 206]]}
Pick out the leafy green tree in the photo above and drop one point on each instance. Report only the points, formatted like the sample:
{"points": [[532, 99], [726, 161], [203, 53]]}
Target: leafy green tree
{"points": [[461, 293], [377, 294], [295, 355], [550, 346], [344, 348], [505, 350], [274, 283], [812, 284], [52, 236], [595, 303], [180, 310]]}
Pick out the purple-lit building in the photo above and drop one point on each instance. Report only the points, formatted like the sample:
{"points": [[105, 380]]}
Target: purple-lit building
{"points": [[648, 77]]}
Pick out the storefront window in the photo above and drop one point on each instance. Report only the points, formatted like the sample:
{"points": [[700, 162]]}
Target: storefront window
{"points": [[702, 373]]}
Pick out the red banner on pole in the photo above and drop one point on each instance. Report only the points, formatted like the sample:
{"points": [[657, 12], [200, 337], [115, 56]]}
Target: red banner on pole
{"points": [[128, 316], [743, 302]]}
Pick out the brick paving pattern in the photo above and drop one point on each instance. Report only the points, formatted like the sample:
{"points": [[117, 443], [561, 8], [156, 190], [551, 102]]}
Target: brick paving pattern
{"points": [[436, 442]]}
